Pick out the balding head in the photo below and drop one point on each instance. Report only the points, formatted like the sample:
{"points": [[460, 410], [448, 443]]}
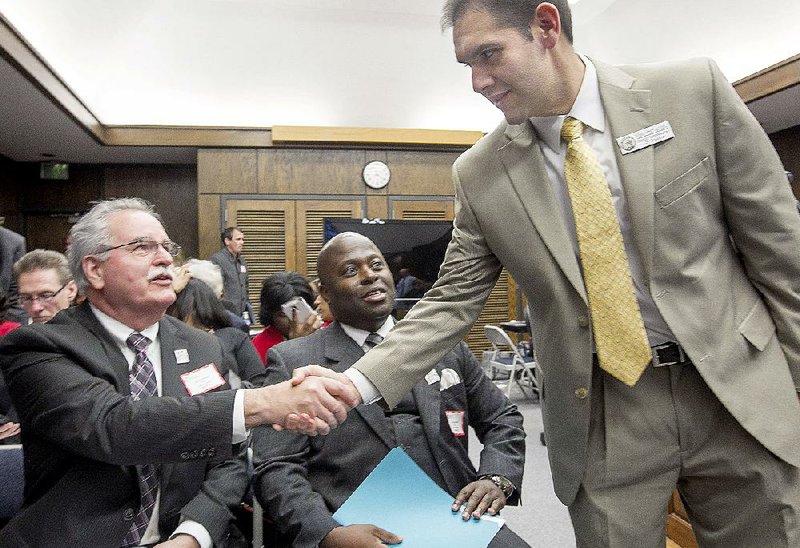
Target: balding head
{"points": [[356, 281]]}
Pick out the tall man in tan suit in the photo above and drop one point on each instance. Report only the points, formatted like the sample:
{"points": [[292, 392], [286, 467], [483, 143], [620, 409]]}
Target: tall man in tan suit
{"points": [[712, 239]]}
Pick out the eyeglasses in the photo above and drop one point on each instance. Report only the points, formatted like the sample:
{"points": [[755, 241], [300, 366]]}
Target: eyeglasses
{"points": [[144, 247], [45, 298]]}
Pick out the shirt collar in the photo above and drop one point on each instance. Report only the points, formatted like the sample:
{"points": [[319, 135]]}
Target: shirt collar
{"points": [[360, 336], [119, 331], [588, 108]]}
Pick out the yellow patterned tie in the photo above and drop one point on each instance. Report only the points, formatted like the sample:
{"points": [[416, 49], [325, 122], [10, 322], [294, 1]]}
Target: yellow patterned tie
{"points": [[619, 335]]}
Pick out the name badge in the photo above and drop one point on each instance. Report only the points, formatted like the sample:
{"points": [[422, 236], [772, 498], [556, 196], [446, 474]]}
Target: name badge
{"points": [[242, 269], [455, 420], [202, 380], [182, 355], [645, 137]]}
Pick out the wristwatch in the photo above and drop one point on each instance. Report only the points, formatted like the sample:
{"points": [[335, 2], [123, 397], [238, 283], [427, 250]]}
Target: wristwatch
{"points": [[502, 482]]}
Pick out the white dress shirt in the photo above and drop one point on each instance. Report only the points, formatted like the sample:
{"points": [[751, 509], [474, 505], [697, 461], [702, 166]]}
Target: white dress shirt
{"points": [[588, 108]]}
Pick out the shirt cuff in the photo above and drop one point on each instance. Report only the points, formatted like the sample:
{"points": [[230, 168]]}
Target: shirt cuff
{"points": [[240, 433], [369, 394], [194, 529]]}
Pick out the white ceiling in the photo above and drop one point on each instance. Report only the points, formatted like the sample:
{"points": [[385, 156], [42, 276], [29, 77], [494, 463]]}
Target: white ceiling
{"points": [[355, 63]]}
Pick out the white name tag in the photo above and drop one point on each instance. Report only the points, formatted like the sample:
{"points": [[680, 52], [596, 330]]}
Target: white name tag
{"points": [[645, 137], [202, 380], [455, 420], [242, 268], [182, 355]]}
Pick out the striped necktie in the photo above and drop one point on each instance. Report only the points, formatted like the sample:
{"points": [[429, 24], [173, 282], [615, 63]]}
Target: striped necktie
{"points": [[372, 340], [143, 385], [619, 335]]}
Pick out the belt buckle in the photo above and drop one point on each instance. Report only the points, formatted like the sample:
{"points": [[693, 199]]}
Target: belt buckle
{"points": [[657, 361]]}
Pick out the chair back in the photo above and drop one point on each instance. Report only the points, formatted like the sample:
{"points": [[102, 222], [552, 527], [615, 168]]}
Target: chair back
{"points": [[12, 480], [499, 338]]}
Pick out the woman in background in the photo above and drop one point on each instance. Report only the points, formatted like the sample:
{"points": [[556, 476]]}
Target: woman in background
{"points": [[276, 290], [197, 305]]}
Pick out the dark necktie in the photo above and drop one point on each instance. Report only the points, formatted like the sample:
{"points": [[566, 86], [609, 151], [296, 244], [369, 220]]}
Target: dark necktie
{"points": [[143, 385], [372, 340]]}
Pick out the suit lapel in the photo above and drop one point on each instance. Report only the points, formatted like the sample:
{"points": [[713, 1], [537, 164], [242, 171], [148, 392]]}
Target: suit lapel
{"points": [[116, 361], [171, 370], [340, 353], [524, 163], [628, 110]]}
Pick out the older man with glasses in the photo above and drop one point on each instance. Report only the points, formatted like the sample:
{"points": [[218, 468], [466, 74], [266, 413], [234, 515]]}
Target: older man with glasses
{"points": [[131, 438], [45, 284]]}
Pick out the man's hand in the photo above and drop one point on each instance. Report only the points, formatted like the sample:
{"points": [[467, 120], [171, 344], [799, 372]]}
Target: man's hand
{"points": [[9, 429], [480, 496], [299, 423], [180, 541], [355, 536], [315, 406]]}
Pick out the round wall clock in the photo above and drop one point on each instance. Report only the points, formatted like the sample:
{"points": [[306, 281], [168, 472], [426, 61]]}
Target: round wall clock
{"points": [[376, 174]]}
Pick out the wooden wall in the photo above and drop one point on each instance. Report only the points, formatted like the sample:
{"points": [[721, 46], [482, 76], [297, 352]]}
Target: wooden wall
{"points": [[42, 210]]}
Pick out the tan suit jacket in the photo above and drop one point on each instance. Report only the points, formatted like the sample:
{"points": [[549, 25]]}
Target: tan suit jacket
{"points": [[716, 228]]}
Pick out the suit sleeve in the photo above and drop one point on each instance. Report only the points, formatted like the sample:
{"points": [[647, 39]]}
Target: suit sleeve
{"points": [[222, 491], [281, 481], [761, 213], [77, 409], [444, 316], [497, 423]]}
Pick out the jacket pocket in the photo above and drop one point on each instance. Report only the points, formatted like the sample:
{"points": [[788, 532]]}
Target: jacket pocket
{"points": [[758, 327], [683, 184]]}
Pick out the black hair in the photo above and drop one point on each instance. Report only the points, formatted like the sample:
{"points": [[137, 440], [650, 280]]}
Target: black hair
{"points": [[198, 303], [280, 288]]}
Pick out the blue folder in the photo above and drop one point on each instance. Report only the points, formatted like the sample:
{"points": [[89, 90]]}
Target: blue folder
{"points": [[399, 497]]}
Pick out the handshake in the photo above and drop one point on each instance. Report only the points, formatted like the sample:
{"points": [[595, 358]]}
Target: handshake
{"points": [[314, 401]]}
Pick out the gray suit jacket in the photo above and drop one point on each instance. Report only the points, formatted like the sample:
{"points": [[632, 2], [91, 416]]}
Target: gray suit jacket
{"points": [[718, 235], [12, 248], [83, 433], [301, 481]]}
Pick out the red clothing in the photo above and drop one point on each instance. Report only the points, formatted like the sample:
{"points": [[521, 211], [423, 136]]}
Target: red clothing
{"points": [[5, 327], [266, 340]]}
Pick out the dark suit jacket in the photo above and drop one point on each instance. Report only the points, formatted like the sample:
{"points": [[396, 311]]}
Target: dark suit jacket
{"points": [[83, 433], [301, 481], [235, 282], [12, 248]]}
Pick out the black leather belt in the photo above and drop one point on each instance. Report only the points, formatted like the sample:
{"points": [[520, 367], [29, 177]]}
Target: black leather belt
{"points": [[668, 354]]}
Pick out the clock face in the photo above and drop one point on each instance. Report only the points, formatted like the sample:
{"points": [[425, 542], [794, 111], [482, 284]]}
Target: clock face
{"points": [[376, 174]]}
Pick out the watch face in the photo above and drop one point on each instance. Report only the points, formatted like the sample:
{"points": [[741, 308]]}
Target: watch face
{"points": [[376, 174]]}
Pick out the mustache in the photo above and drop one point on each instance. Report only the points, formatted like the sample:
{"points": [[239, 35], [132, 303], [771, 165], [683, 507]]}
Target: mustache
{"points": [[158, 271]]}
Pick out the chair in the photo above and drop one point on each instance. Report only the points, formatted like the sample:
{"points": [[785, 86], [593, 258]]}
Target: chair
{"points": [[12, 480], [506, 357]]}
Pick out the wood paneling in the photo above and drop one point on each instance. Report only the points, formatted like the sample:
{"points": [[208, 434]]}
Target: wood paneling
{"points": [[360, 135], [208, 214], [310, 235], [302, 171], [770, 80], [227, 171], [421, 173], [679, 530], [171, 189], [423, 210], [377, 207]]}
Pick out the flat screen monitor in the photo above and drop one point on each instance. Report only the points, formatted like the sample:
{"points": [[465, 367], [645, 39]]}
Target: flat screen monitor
{"points": [[418, 247]]}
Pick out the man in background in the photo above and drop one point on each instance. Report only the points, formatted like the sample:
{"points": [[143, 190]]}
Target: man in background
{"points": [[301, 481], [12, 247], [234, 273], [45, 284], [130, 435]]}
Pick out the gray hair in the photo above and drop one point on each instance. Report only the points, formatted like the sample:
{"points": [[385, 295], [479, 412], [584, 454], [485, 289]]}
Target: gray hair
{"points": [[92, 234], [44, 259], [207, 272]]}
